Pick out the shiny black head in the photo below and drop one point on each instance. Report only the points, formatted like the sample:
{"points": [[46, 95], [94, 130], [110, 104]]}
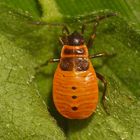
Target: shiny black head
{"points": [[75, 39]]}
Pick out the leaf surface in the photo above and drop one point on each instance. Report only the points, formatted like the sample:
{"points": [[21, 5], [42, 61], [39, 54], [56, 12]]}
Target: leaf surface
{"points": [[24, 46]]}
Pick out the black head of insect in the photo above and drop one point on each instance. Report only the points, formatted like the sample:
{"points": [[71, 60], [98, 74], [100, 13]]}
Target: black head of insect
{"points": [[75, 39]]}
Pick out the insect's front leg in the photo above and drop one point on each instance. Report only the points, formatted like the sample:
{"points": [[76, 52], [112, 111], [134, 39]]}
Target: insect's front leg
{"points": [[95, 25], [83, 29], [99, 76]]}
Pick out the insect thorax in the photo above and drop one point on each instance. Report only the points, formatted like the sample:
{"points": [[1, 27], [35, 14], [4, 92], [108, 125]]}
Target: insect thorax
{"points": [[74, 58]]}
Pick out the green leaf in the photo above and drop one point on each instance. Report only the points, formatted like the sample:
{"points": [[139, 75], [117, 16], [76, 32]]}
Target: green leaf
{"points": [[24, 114], [28, 7], [26, 106]]}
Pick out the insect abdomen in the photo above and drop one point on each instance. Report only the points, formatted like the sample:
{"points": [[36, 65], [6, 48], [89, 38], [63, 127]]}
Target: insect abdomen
{"points": [[75, 94]]}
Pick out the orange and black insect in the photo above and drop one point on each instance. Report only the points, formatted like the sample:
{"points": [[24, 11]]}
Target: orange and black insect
{"points": [[75, 85]]}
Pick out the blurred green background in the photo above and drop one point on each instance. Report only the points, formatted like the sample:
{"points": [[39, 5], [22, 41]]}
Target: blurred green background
{"points": [[26, 107]]}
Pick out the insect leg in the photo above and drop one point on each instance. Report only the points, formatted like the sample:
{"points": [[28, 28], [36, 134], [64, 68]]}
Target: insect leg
{"points": [[93, 35], [99, 76], [98, 55], [63, 37], [63, 40], [101, 55], [52, 60], [65, 30], [95, 25]]}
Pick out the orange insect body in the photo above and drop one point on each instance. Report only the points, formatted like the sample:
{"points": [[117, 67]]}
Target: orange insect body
{"points": [[75, 86]]}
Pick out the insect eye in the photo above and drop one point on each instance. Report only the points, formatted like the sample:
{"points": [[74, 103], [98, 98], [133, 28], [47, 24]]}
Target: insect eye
{"points": [[75, 39]]}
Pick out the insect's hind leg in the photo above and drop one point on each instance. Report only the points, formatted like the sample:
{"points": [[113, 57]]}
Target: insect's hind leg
{"points": [[99, 76]]}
